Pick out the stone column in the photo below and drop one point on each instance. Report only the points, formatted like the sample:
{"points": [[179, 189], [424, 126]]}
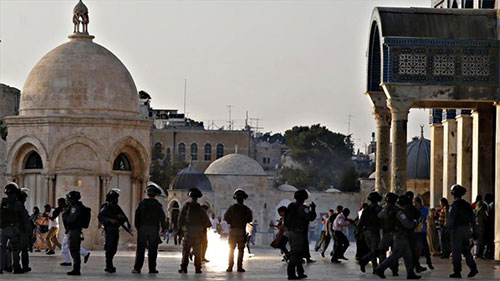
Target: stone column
{"points": [[497, 185], [51, 188], [399, 113], [449, 152], [436, 173], [464, 151], [482, 150]]}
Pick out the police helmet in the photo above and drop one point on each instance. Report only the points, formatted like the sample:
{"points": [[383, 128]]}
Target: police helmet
{"points": [[374, 196], [195, 193], [152, 190], [11, 188], [113, 194], [301, 195], [458, 190], [22, 196], [404, 200], [239, 193], [73, 195], [391, 198]]}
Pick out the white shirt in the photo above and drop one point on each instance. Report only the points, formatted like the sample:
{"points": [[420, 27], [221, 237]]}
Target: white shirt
{"points": [[214, 223], [53, 223], [340, 222], [225, 227]]}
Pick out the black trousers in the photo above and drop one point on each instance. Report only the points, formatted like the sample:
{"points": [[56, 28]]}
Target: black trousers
{"points": [[74, 243], [237, 237], [282, 246], [460, 245], [341, 244], [193, 241], [299, 249], [400, 248], [111, 244], [445, 242], [147, 237], [10, 236], [372, 240]]}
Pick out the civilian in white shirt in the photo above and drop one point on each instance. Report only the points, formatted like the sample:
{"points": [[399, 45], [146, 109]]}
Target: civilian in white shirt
{"points": [[341, 241], [52, 241]]}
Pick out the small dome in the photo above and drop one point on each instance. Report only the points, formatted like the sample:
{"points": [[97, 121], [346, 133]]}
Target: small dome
{"points": [[332, 190], [191, 177], [286, 187], [235, 165], [418, 158], [79, 77]]}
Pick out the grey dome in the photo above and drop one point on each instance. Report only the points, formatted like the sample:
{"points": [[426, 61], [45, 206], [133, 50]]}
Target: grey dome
{"points": [[418, 158], [191, 177]]}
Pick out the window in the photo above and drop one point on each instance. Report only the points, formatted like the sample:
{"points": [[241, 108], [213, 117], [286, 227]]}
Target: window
{"points": [[266, 160], [194, 152], [158, 145], [220, 151], [208, 152], [169, 155], [34, 161], [182, 151], [122, 163]]}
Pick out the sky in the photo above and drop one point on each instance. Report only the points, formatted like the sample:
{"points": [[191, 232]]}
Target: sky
{"points": [[285, 62]]}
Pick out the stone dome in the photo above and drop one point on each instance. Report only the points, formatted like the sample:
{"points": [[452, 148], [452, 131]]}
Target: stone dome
{"points": [[235, 165], [418, 158], [191, 177], [79, 77], [287, 187]]}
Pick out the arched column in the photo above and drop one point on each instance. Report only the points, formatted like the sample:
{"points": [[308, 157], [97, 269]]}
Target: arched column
{"points": [[464, 151], [399, 114], [436, 169], [482, 148], [449, 152]]}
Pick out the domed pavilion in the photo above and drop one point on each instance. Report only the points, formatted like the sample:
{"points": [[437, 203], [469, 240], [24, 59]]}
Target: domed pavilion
{"points": [[418, 160], [79, 128]]}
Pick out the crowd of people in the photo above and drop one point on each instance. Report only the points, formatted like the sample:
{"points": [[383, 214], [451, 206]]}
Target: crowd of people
{"points": [[402, 226]]}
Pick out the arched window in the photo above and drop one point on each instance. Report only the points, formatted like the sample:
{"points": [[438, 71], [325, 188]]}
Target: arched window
{"points": [[168, 155], [220, 150], [208, 152], [194, 152], [175, 212], [182, 151], [34, 161], [122, 163]]}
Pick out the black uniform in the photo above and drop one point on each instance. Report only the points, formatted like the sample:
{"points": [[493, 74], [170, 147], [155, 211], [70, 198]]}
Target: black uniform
{"points": [[297, 220], [112, 217], [11, 224], [413, 214], [460, 220], [237, 216], [388, 226], [403, 226], [193, 222], [72, 223], [369, 224], [149, 218], [25, 242]]}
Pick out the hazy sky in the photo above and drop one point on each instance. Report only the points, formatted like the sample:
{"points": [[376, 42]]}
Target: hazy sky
{"points": [[296, 62]]}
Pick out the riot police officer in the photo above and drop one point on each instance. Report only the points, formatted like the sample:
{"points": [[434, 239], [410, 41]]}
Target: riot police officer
{"points": [[11, 224], [149, 219], [297, 220], [72, 223], [369, 223], [25, 242], [401, 248], [111, 216], [388, 228], [237, 216], [460, 220], [193, 221]]}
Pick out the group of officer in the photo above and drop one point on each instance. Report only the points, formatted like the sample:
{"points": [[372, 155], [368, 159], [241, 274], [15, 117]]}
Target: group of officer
{"points": [[392, 226]]}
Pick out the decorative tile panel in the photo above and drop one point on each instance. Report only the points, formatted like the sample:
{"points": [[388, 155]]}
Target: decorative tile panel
{"points": [[475, 65], [412, 64], [444, 65]]}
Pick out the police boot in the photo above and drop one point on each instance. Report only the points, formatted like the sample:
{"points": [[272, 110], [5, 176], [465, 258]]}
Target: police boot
{"points": [[74, 272], [473, 272], [380, 273], [456, 275]]}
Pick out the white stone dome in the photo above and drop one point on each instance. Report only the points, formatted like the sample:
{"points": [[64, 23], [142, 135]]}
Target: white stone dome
{"points": [[235, 165], [79, 77], [287, 187]]}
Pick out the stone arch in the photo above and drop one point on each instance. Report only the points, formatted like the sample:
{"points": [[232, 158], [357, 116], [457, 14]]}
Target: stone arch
{"points": [[136, 153], [66, 143], [374, 59], [16, 155]]}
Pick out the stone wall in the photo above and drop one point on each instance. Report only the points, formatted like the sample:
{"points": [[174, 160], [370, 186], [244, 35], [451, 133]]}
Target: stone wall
{"points": [[10, 97]]}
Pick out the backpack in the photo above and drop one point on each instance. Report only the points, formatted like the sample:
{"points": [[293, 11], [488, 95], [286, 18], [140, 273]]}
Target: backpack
{"points": [[86, 215]]}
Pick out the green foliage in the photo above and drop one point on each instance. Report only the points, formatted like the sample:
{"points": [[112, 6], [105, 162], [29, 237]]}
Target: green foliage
{"points": [[162, 170], [3, 130], [325, 157]]}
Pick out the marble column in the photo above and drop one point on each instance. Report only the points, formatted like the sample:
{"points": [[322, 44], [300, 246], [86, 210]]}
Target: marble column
{"points": [[382, 116], [51, 188], [464, 151], [497, 185], [399, 114], [449, 152], [482, 150], [436, 173]]}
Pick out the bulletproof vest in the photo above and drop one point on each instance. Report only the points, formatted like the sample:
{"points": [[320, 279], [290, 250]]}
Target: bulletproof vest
{"points": [[388, 223], [196, 218], [10, 212], [371, 213], [150, 214], [293, 220], [240, 215], [398, 225], [463, 213]]}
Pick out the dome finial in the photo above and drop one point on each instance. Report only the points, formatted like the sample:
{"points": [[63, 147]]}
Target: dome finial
{"points": [[422, 131], [80, 16]]}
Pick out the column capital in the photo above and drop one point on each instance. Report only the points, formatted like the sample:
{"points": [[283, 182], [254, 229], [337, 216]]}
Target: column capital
{"points": [[106, 179], [399, 108], [49, 177]]}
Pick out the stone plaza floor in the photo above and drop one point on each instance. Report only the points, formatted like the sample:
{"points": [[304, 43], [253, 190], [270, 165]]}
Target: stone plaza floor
{"points": [[265, 265]]}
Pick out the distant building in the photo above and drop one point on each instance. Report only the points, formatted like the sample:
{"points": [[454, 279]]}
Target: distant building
{"points": [[269, 152], [9, 97]]}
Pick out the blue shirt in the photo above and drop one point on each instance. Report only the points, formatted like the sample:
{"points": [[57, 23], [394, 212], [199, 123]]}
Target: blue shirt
{"points": [[422, 221]]}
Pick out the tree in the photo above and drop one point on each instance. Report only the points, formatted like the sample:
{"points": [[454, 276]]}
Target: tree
{"points": [[325, 157], [162, 170]]}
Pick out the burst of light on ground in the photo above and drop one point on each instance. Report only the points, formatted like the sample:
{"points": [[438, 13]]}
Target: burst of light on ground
{"points": [[218, 252]]}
